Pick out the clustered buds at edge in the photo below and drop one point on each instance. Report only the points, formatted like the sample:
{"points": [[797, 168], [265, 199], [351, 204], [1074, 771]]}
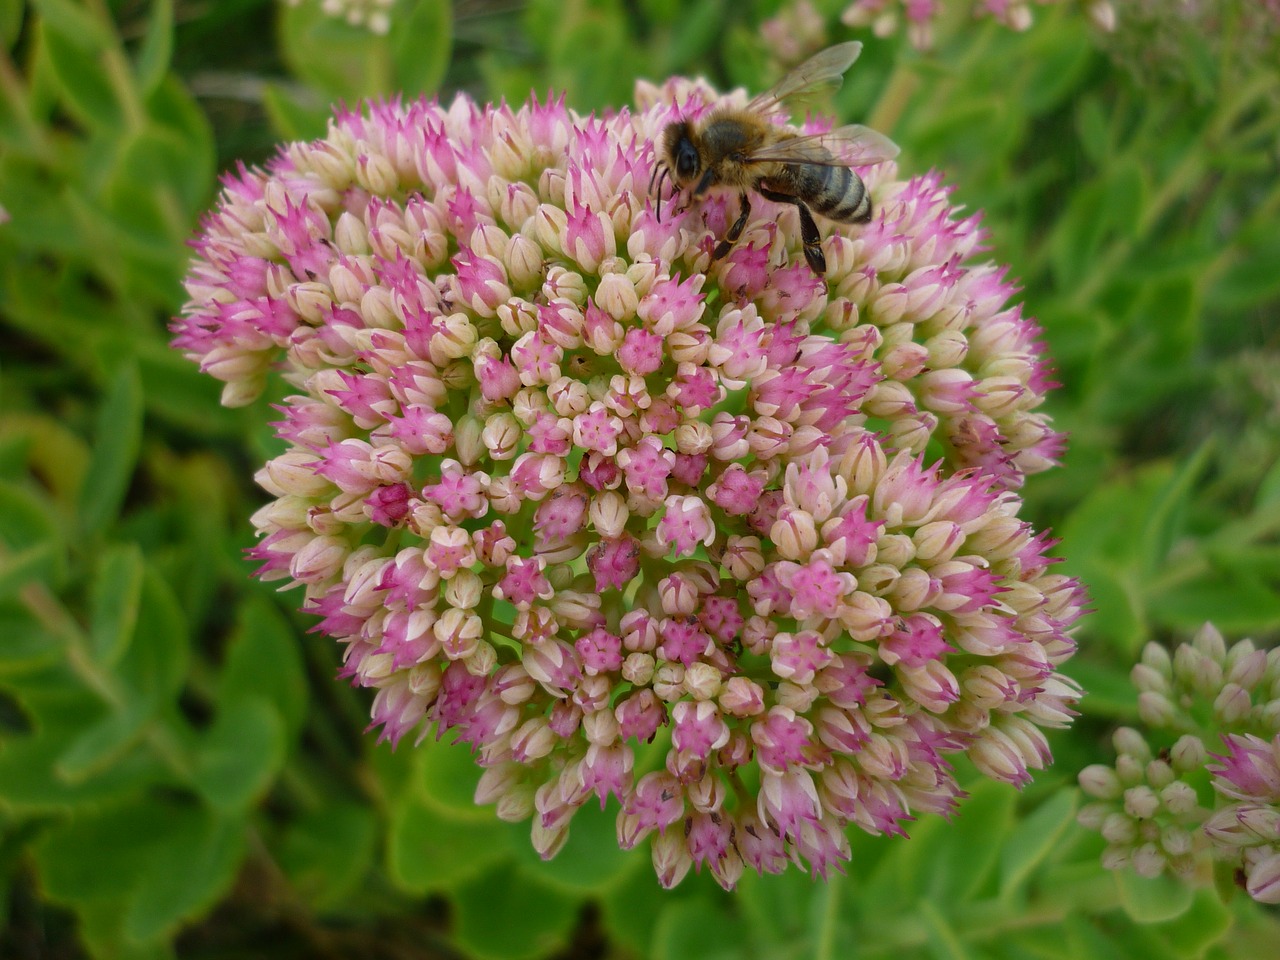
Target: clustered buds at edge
{"points": [[1147, 807]]}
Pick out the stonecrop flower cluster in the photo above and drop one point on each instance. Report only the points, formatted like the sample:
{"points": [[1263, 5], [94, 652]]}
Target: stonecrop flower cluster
{"points": [[373, 15], [919, 16], [1156, 808], [564, 487]]}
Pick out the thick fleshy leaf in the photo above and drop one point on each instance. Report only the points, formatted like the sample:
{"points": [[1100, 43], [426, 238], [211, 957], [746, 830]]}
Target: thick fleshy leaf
{"points": [[120, 837], [116, 593], [103, 743], [590, 860], [264, 662], [117, 440], [449, 775], [1108, 689], [182, 146], [157, 45], [24, 644], [290, 118], [944, 940], [1154, 900], [31, 784], [955, 860], [10, 20], [632, 907], [155, 664], [428, 849], [339, 60], [327, 852], [83, 80], [1236, 601], [73, 22], [241, 753], [1108, 207], [697, 928], [176, 392], [422, 44], [777, 907], [192, 862], [29, 535], [509, 914], [1204, 923]]}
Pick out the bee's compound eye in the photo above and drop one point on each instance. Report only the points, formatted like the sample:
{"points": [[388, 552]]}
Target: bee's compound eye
{"points": [[686, 160]]}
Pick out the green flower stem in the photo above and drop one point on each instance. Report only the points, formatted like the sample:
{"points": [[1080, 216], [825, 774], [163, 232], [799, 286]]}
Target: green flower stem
{"points": [[903, 84], [829, 898], [905, 81], [740, 790]]}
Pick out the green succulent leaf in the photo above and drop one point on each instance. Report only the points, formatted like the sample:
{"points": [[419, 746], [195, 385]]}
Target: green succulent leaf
{"points": [[84, 82], [327, 852], [103, 744], [118, 438], [155, 664], [240, 755], [429, 849], [264, 663], [31, 546], [590, 861], [116, 597], [157, 45], [422, 42], [1155, 900], [192, 861], [510, 914], [697, 928]]}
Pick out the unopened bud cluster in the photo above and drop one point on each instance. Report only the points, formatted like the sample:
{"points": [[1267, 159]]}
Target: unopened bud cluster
{"points": [[563, 486], [1155, 807]]}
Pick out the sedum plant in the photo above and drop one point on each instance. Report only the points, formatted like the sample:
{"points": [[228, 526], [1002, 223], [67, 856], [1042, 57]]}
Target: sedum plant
{"points": [[1157, 808], [180, 775], [733, 544]]}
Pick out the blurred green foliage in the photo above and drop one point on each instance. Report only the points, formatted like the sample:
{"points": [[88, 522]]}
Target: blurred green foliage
{"points": [[180, 775]]}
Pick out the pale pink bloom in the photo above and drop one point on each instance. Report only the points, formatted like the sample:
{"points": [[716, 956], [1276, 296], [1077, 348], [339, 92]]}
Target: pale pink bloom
{"points": [[563, 486]]}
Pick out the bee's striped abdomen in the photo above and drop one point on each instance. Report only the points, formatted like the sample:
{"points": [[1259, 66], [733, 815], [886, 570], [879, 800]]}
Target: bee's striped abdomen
{"points": [[840, 194]]}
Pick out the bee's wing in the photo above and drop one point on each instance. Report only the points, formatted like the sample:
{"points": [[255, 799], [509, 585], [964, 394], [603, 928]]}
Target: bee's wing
{"points": [[854, 145], [823, 71]]}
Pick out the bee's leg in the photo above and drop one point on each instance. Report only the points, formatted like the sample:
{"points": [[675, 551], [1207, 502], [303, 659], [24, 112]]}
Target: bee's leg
{"points": [[809, 234], [735, 231]]}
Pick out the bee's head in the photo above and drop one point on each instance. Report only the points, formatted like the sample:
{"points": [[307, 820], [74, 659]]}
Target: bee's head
{"points": [[680, 153], [678, 159]]}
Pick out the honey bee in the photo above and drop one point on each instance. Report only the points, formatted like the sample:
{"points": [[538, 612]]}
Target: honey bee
{"points": [[745, 149]]}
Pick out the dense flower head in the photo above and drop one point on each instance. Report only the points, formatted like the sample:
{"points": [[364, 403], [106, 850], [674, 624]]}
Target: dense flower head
{"points": [[1154, 808], [562, 485]]}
